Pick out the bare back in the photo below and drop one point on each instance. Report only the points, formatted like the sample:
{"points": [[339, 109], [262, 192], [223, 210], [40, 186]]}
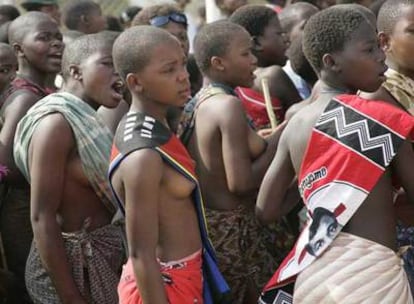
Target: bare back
{"points": [[375, 218], [224, 147]]}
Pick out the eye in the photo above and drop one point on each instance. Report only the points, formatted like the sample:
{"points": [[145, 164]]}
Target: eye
{"points": [[44, 37], [108, 63], [5, 70], [332, 229], [319, 244]]}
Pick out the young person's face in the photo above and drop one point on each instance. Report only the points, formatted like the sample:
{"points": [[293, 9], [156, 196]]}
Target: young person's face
{"points": [[42, 47], [52, 10], [101, 83], [274, 43], [165, 79], [180, 32], [361, 63], [8, 68], [401, 42], [302, 18], [239, 62], [97, 22]]}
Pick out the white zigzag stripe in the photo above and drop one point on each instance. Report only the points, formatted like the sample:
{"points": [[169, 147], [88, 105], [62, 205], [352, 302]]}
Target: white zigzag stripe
{"points": [[361, 128]]}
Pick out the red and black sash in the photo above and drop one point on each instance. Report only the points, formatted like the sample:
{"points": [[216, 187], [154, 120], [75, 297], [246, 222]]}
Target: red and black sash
{"points": [[351, 145], [139, 131]]}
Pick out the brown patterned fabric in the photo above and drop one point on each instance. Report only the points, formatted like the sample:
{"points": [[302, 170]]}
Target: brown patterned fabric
{"points": [[401, 87], [96, 259], [243, 248]]}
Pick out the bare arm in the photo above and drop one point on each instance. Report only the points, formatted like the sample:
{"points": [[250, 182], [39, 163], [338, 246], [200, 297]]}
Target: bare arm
{"points": [[271, 204], [15, 110], [403, 166], [243, 175], [141, 173], [281, 87], [51, 145]]}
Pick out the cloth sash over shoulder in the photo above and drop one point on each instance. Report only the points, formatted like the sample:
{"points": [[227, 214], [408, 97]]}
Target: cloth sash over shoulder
{"points": [[93, 139], [139, 131], [351, 145]]}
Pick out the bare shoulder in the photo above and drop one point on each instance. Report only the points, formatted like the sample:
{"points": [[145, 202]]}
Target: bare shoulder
{"points": [[21, 99], [281, 86], [383, 95], [220, 106], [54, 128], [141, 164]]}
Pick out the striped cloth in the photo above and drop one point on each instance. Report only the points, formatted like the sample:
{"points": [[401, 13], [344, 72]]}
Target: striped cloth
{"points": [[93, 139], [354, 270]]}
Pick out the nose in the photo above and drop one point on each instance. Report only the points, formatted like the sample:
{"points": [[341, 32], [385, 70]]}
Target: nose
{"points": [[58, 43], [183, 75], [286, 39], [254, 59]]}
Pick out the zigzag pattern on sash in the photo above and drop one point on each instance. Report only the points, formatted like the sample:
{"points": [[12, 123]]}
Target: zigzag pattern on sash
{"points": [[359, 132], [361, 128]]}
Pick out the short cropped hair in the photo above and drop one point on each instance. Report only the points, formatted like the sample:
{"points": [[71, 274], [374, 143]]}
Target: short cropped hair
{"points": [[10, 11], [299, 62], [376, 6], [133, 49], [295, 12], [23, 24], [214, 39], [254, 18], [74, 10], [328, 31], [83, 47], [389, 13], [146, 14]]}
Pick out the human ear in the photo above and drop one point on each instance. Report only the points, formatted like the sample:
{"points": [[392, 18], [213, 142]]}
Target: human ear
{"points": [[84, 19], [330, 62], [75, 72], [18, 50], [384, 41], [133, 83], [217, 63]]}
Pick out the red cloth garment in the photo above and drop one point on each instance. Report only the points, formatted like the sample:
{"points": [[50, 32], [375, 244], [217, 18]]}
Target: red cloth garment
{"points": [[140, 131], [20, 83], [182, 281], [255, 107], [351, 145]]}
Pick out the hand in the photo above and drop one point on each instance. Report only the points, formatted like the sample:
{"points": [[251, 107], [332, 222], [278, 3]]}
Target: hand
{"points": [[265, 132], [273, 138]]}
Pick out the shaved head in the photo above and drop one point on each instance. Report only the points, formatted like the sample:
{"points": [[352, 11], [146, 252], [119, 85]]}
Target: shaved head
{"points": [[134, 47], [24, 24]]}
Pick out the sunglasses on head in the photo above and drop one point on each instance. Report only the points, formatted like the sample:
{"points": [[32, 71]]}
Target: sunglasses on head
{"points": [[163, 20]]}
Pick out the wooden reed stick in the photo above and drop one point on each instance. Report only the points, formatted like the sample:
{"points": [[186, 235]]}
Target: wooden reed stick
{"points": [[268, 102]]}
